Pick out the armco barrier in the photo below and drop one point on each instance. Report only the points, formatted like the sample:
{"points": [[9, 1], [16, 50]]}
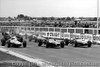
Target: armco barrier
{"points": [[75, 35]]}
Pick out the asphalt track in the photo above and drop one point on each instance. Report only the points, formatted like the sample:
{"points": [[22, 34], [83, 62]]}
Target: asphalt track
{"points": [[66, 57]]}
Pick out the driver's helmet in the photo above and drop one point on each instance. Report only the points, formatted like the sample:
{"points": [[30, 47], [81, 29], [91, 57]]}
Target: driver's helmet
{"points": [[3, 33], [7, 33], [18, 36]]}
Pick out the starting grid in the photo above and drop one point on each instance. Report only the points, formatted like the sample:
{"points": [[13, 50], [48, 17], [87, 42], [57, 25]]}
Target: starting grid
{"points": [[56, 32]]}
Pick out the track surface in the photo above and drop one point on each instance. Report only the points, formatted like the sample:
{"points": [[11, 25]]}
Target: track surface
{"points": [[67, 57]]}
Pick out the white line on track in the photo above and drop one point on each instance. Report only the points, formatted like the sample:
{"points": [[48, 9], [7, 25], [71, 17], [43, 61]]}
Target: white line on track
{"points": [[39, 62]]}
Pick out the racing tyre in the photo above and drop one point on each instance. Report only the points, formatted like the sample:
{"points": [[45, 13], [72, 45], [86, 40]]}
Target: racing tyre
{"points": [[62, 44], [89, 44], [75, 44], [66, 42], [47, 45], [2, 42], [35, 40], [8, 45], [24, 44], [40, 43]]}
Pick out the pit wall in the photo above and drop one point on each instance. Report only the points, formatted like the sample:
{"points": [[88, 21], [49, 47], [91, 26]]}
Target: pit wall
{"points": [[58, 32]]}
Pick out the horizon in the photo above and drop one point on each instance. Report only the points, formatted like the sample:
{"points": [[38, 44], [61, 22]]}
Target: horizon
{"points": [[49, 8]]}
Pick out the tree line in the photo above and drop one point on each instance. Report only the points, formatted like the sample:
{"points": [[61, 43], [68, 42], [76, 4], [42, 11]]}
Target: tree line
{"points": [[25, 17]]}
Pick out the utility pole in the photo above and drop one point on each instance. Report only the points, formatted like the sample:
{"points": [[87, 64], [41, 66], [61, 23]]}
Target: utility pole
{"points": [[97, 15]]}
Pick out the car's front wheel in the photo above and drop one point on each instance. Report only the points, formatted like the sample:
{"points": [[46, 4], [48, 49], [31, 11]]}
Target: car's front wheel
{"points": [[75, 44], [2, 42], [24, 44], [62, 44], [47, 44], [66, 42]]}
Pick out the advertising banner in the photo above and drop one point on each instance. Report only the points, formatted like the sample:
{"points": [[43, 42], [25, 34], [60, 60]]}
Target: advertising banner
{"points": [[74, 36], [65, 35], [53, 34]]}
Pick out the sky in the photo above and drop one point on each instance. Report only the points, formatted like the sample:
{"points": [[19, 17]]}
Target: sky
{"points": [[48, 8]]}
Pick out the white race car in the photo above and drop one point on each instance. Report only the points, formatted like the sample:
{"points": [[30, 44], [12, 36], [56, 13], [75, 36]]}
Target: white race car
{"points": [[52, 42], [15, 41], [80, 42], [84, 40], [55, 43]]}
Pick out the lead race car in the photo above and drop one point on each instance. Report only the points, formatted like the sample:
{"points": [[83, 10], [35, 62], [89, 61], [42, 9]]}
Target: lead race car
{"points": [[51, 42], [51, 39], [55, 43], [15, 40]]}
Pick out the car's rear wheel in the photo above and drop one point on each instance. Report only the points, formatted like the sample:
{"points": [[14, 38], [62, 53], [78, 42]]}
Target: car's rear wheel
{"points": [[2, 42], [66, 42], [24, 44], [89, 44], [40, 43], [9, 45], [62, 44], [47, 44], [75, 44]]}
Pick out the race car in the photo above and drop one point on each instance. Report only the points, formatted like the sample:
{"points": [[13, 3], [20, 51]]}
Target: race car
{"points": [[96, 39], [80, 42], [33, 37], [84, 40], [51, 42], [6, 36], [15, 40], [36, 38]]}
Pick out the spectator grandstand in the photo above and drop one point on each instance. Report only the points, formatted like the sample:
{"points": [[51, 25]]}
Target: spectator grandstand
{"points": [[82, 24]]}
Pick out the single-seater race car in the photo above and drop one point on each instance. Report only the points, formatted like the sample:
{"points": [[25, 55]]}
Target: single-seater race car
{"points": [[51, 42], [36, 38], [96, 39], [84, 40], [33, 37], [15, 40]]}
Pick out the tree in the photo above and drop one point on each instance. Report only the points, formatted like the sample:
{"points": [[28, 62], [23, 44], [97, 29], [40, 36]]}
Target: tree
{"points": [[9, 18], [44, 18], [94, 19], [20, 16], [26, 17], [68, 19], [73, 18], [52, 18]]}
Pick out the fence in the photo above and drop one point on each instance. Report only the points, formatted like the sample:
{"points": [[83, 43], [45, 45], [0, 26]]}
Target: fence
{"points": [[52, 29], [90, 33]]}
